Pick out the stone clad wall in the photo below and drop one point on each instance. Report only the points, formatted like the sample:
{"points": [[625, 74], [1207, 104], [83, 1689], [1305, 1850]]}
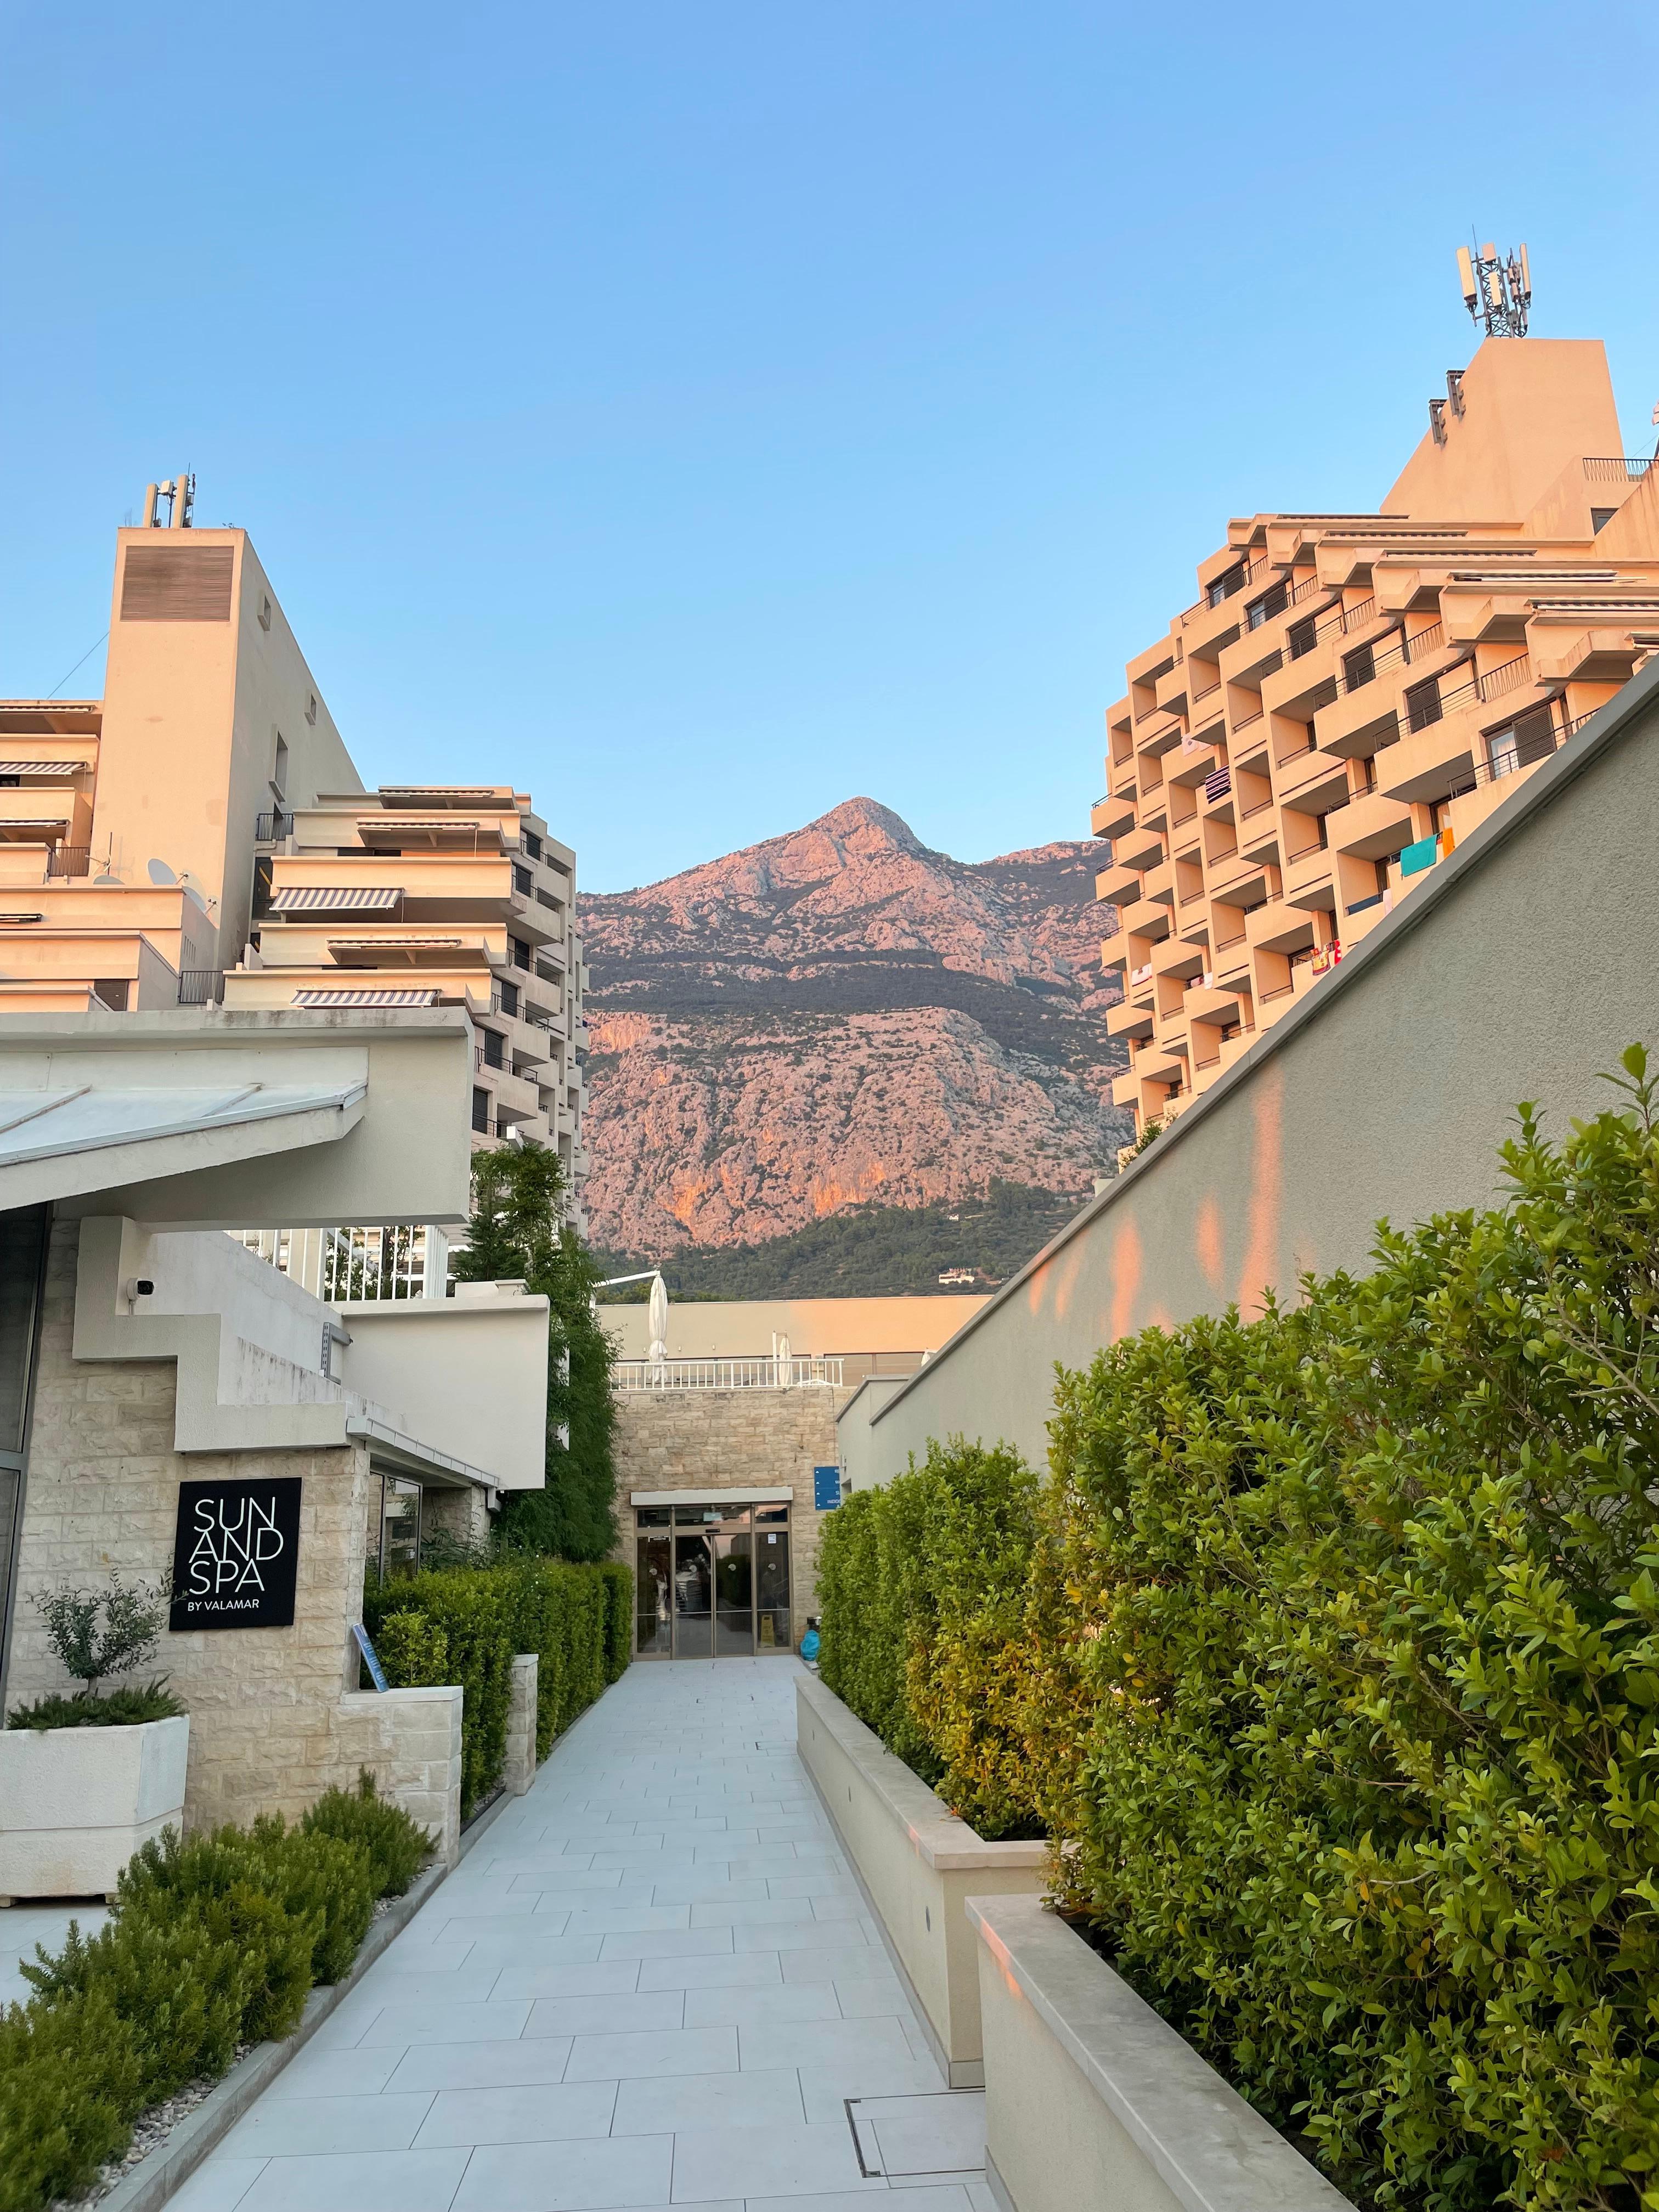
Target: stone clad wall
{"points": [[715, 1440], [269, 1728]]}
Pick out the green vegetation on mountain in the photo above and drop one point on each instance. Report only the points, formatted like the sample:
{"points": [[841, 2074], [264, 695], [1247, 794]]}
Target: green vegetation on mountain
{"points": [[867, 1251]]}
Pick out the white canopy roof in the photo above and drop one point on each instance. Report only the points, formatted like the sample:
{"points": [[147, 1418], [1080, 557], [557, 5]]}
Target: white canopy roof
{"points": [[44, 1125]]}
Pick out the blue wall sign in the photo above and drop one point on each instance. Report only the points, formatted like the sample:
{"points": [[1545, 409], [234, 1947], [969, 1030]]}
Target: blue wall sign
{"points": [[371, 1657], [826, 1488]]}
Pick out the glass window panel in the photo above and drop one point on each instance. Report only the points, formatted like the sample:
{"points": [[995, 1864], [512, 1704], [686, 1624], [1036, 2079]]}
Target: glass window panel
{"points": [[654, 1587], [653, 1516], [772, 1622], [771, 1516], [20, 1234], [400, 1529]]}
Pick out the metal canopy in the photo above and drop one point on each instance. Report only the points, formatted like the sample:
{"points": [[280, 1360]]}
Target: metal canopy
{"points": [[44, 1125]]}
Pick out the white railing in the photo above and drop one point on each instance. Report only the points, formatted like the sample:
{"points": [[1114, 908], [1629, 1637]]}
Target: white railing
{"points": [[726, 1374], [338, 1265]]}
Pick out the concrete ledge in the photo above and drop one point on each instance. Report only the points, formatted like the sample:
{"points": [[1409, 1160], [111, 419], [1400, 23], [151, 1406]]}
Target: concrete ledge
{"points": [[919, 1864], [1092, 2100]]}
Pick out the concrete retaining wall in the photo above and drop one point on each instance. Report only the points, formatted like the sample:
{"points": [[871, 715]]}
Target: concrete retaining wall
{"points": [[1091, 2099], [1524, 965], [919, 1865]]}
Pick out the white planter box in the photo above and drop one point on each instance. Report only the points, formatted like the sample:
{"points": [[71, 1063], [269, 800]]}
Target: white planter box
{"points": [[77, 1803], [1091, 2099], [919, 1865]]}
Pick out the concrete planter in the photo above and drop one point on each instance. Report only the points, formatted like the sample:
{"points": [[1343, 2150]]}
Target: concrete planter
{"points": [[77, 1803], [919, 1864], [1091, 2099]]}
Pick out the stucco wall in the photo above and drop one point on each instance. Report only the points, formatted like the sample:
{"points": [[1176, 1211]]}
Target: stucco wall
{"points": [[269, 1730], [713, 1440], [1523, 966]]}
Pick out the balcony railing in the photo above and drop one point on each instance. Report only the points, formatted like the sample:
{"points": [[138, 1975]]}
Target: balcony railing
{"points": [[1617, 468], [69, 860], [1218, 785], [201, 986], [728, 1374], [1302, 636], [272, 829]]}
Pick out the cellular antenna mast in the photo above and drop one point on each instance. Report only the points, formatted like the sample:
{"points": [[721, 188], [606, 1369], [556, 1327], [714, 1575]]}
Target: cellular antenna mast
{"points": [[1496, 292]]}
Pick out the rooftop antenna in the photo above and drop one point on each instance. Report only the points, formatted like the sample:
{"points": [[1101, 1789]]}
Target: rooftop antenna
{"points": [[1496, 292], [179, 493]]}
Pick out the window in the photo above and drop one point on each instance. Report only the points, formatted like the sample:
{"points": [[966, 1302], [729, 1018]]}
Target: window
{"points": [[492, 1048], [520, 950], [481, 1112], [509, 998], [1359, 668], [1423, 704], [264, 610], [531, 843], [523, 880], [311, 708], [1600, 518], [1302, 637], [279, 768], [400, 1527]]}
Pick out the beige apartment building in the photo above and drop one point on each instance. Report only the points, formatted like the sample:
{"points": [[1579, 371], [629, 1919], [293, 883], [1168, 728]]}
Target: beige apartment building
{"points": [[1350, 694], [200, 835]]}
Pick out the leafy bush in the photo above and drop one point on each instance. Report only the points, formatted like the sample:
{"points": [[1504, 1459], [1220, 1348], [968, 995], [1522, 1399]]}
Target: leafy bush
{"points": [[1336, 1682], [134, 1616], [396, 1847], [214, 1943], [124, 1708], [470, 1622]]}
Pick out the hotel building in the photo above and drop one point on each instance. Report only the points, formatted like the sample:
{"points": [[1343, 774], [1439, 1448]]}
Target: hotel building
{"points": [[1351, 694], [200, 836]]}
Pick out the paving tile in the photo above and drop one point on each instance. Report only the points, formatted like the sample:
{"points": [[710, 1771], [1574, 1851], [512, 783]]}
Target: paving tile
{"points": [[822, 2044], [695, 2102], [537, 2112], [281, 2127], [334, 2074], [759, 2008], [619, 2172], [666, 1943], [711, 1886], [849, 1961], [447, 2023], [551, 1876], [359, 2181], [217, 2185], [939, 2134], [482, 2065], [718, 1970], [869, 1998], [620, 2014], [570, 1979], [656, 2052], [776, 2161], [825, 2093], [758, 1912], [626, 1919], [800, 1936]]}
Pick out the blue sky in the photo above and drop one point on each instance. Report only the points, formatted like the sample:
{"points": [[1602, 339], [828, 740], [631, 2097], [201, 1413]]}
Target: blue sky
{"points": [[702, 414]]}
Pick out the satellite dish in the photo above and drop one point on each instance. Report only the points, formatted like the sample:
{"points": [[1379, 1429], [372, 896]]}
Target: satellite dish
{"points": [[188, 883], [160, 873], [107, 881]]}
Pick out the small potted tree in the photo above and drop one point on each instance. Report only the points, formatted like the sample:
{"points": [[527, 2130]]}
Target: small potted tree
{"points": [[86, 1778]]}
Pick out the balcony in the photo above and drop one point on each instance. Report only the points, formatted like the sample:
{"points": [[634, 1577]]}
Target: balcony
{"points": [[1116, 883], [1110, 816], [1372, 827], [1276, 928], [1139, 849], [1129, 1020], [1144, 918]]}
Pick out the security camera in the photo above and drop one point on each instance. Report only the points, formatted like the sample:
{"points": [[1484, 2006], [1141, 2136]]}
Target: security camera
{"points": [[137, 1286]]}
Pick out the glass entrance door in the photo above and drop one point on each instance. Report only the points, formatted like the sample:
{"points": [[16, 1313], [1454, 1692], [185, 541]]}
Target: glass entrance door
{"points": [[711, 1581]]}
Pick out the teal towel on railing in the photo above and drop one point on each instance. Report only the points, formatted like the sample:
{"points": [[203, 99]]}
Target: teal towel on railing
{"points": [[1423, 854]]}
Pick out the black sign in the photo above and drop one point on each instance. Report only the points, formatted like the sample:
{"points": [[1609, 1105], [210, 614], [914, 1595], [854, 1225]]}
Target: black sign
{"points": [[236, 1554]]}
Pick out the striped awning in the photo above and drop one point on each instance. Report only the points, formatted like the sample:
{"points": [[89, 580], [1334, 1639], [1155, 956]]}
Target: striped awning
{"points": [[397, 944], [44, 768], [32, 820], [335, 898], [366, 997]]}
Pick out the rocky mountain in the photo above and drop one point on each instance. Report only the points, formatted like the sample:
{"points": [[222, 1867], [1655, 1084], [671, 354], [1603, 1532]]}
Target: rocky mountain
{"points": [[837, 1018]]}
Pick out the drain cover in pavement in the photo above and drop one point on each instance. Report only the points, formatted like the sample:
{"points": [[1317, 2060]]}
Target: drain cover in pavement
{"points": [[940, 2133]]}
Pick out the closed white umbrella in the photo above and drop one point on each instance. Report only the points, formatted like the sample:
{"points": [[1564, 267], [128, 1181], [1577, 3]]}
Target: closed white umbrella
{"points": [[659, 1353], [786, 1363]]}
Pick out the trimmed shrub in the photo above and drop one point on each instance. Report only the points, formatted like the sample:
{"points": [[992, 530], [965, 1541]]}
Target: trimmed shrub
{"points": [[124, 1708], [1336, 1682], [213, 1943], [396, 1848], [473, 1621]]}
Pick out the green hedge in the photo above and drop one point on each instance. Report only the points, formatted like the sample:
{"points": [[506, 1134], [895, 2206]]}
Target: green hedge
{"points": [[467, 1624], [1336, 1682], [214, 1943]]}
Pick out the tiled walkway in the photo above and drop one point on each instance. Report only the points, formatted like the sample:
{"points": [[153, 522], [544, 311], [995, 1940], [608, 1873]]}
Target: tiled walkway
{"points": [[653, 1982]]}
